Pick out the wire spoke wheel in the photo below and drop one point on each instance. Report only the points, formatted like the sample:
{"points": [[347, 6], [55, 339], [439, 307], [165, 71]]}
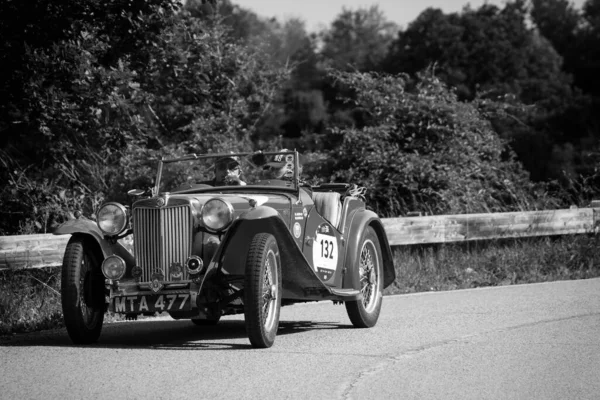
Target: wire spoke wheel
{"points": [[262, 290], [79, 288], [368, 275], [365, 312]]}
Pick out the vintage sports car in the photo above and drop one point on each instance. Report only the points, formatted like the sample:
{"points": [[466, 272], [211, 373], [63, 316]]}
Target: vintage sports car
{"points": [[226, 234]]}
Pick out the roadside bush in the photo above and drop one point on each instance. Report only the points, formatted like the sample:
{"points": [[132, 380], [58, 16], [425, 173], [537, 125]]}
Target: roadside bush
{"points": [[30, 203], [416, 147]]}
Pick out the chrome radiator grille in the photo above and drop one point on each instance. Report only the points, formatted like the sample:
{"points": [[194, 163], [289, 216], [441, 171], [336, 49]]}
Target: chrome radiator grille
{"points": [[162, 236]]}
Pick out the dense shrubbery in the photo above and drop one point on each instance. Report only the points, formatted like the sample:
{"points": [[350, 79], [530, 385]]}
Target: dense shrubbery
{"points": [[419, 148]]}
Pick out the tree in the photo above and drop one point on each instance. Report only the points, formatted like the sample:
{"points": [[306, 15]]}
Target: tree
{"points": [[208, 94], [479, 50], [493, 53], [243, 25], [588, 63], [557, 21], [358, 40]]}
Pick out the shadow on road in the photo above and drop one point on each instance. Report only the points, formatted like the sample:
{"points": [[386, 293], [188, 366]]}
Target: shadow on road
{"points": [[166, 335]]}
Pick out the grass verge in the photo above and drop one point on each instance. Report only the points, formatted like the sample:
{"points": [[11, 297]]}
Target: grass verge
{"points": [[495, 263], [30, 299]]}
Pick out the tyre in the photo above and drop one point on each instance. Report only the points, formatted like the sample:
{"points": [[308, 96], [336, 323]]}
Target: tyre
{"points": [[364, 313], [81, 287], [262, 290]]}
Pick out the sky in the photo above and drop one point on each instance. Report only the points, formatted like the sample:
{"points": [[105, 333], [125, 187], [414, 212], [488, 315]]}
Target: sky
{"points": [[320, 13]]}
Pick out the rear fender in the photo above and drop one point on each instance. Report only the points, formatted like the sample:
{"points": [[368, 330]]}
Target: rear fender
{"points": [[298, 278], [360, 221], [90, 230]]}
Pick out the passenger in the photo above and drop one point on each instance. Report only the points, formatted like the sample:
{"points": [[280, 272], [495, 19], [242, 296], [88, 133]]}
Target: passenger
{"points": [[228, 172], [282, 167]]}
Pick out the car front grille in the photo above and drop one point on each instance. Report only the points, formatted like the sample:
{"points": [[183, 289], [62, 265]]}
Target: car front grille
{"points": [[162, 237]]}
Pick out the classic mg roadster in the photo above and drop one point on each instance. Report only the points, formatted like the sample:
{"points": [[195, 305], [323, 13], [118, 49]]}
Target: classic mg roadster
{"points": [[226, 234]]}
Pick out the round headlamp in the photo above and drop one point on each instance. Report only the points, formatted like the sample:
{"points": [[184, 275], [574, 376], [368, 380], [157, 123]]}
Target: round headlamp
{"points": [[217, 214], [112, 218], [113, 267]]}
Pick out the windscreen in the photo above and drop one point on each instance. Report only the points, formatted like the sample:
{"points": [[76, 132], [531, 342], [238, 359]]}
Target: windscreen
{"points": [[275, 169]]}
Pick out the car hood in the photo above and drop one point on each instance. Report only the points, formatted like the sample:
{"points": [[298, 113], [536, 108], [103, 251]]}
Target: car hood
{"points": [[240, 201]]}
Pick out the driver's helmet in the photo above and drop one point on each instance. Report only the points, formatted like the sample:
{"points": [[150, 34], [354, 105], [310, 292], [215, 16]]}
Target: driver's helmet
{"points": [[227, 163], [281, 167]]}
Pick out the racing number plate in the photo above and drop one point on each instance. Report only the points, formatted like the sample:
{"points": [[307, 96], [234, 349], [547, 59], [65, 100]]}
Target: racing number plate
{"points": [[152, 303]]}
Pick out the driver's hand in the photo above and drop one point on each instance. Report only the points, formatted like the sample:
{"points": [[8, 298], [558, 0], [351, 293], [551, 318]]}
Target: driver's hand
{"points": [[233, 180]]}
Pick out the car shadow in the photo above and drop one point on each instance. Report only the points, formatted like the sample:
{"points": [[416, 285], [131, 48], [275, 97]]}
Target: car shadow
{"points": [[166, 335]]}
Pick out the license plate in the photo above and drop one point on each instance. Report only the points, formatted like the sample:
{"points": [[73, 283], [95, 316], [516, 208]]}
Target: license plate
{"points": [[152, 303]]}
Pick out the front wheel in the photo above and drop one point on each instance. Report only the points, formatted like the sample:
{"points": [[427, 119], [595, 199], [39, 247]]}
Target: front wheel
{"points": [[82, 292], [262, 290], [364, 313]]}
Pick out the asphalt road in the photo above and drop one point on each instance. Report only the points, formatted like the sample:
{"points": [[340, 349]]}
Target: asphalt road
{"points": [[520, 342]]}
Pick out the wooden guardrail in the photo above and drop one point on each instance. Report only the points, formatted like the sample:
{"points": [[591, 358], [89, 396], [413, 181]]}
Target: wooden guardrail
{"points": [[467, 227], [38, 251]]}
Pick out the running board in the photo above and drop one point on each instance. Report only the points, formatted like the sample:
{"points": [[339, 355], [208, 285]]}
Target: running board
{"points": [[347, 294]]}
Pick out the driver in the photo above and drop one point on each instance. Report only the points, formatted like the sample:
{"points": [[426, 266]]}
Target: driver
{"points": [[228, 172]]}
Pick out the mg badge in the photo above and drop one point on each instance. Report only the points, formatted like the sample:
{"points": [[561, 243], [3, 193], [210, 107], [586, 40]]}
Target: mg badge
{"points": [[156, 285], [156, 281]]}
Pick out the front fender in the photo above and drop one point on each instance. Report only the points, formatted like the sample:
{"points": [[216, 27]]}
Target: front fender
{"points": [[261, 212], [89, 229], [299, 281], [360, 221]]}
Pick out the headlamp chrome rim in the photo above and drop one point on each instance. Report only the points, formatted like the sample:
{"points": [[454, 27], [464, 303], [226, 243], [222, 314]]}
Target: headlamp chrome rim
{"points": [[123, 224], [117, 262], [227, 222], [194, 261]]}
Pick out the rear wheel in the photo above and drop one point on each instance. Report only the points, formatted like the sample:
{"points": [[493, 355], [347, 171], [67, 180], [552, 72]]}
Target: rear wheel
{"points": [[262, 290], [364, 313], [82, 292]]}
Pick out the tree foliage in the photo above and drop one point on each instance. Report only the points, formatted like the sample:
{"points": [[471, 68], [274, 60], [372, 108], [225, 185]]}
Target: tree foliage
{"points": [[489, 48], [358, 39], [88, 120], [494, 53], [421, 149]]}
